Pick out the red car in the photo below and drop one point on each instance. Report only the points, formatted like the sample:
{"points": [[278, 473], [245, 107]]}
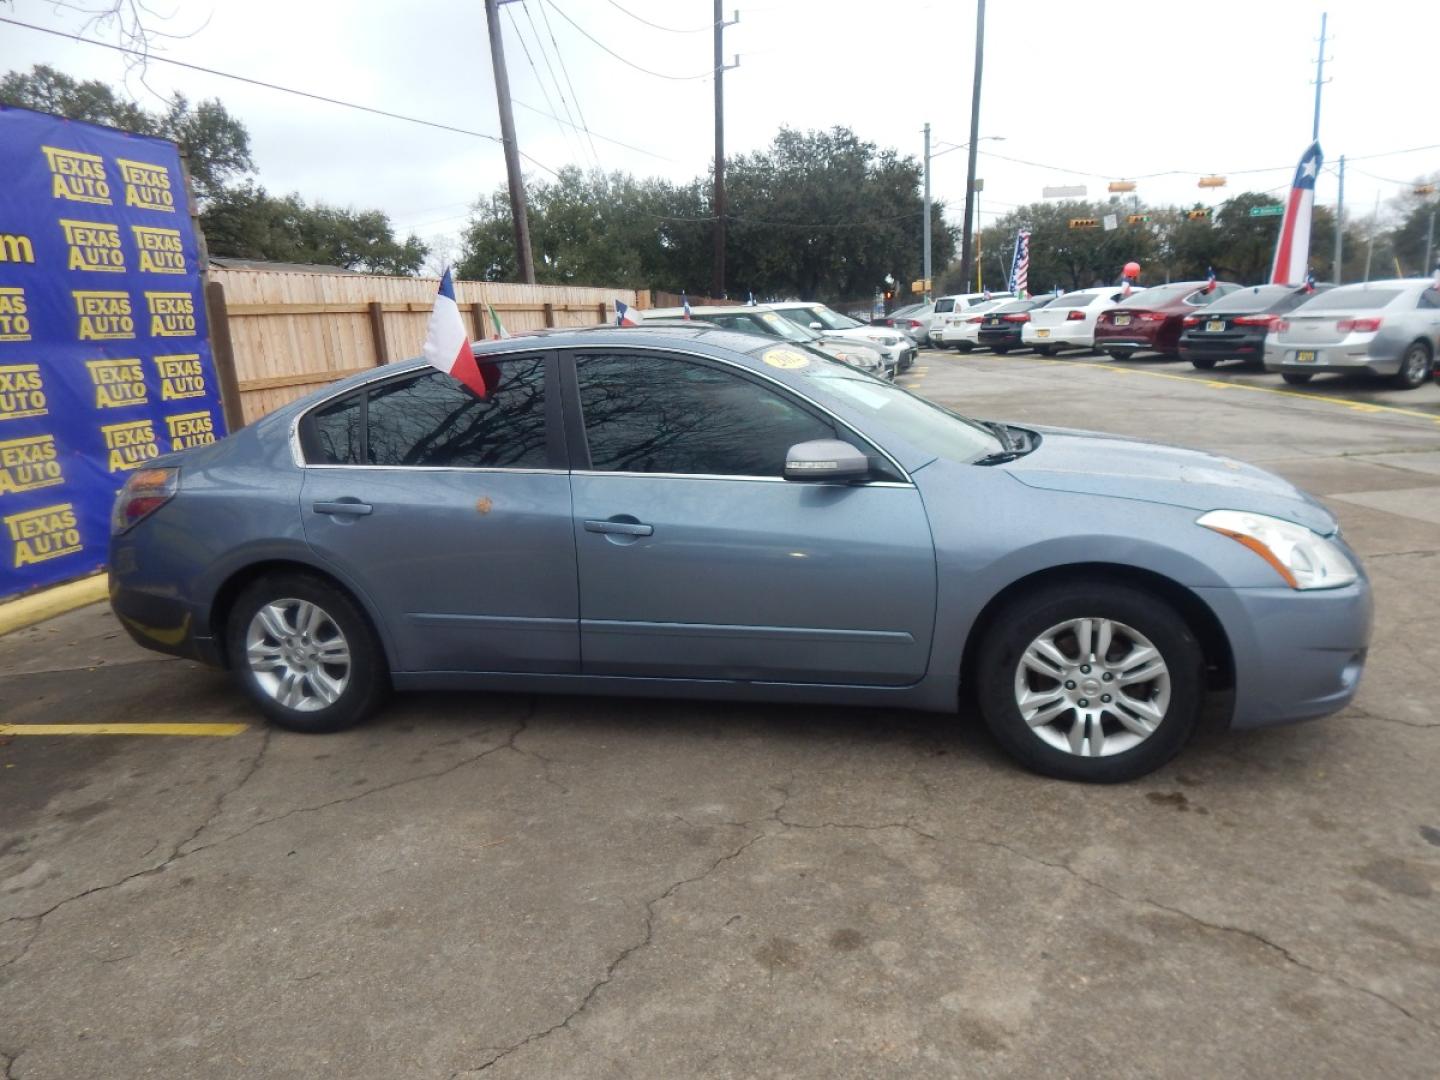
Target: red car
{"points": [[1151, 320]]}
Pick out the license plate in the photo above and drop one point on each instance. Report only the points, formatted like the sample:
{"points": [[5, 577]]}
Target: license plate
{"points": [[1305, 356], [992, 322], [1214, 326], [1122, 320], [1042, 333]]}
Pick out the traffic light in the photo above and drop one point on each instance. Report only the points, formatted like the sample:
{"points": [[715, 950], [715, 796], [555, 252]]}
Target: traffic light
{"points": [[1425, 189], [1137, 219], [1122, 185], [1084, 223], [1198, 215]]}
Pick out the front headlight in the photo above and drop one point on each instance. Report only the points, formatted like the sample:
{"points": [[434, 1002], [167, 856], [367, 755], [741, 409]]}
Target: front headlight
{"points": [[1304, 558]]}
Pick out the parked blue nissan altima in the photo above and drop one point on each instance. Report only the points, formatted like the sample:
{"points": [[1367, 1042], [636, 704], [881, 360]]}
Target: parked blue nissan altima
{"points": [[692, 512]]}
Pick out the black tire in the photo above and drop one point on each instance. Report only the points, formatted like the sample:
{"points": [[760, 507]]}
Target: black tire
{"points": [[1296, 378], [1045, 350], [1414, 367], [1116, 354], [1203, 363], [1031, 616], [964, 346], [368, 677], [999, 350]]}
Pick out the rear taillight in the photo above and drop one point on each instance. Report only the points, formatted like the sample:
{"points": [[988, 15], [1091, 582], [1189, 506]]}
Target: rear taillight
{"points": [[1257, 320], [1194, 320], [1017, 318], [976, 318], [914, 324], [1358, 326], [1280, 325], [144, 493], [1153, 316], [1076, 315]]}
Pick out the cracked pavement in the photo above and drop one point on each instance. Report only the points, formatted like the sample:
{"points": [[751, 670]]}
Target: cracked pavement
{"points": [[507, 886]]}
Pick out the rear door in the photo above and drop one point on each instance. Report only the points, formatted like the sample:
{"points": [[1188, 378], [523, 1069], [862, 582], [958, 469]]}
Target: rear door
{"points": [[698, 560], [453, 514]]}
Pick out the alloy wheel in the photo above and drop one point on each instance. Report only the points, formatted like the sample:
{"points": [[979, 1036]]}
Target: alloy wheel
{"points": [[1092, 687], [298, 654]]}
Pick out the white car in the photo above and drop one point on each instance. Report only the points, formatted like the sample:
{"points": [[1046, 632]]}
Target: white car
{"points": [[1068, 322], [951, 309], [961, 329], [756, 319], [896, 347]]}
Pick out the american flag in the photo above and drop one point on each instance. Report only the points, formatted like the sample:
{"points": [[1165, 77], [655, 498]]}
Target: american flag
{"points": [[1020, 266]]}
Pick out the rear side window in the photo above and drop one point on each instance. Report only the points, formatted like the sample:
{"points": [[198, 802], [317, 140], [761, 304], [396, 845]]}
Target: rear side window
{"points": [[942, 306], [653, 414], [432, 421]]}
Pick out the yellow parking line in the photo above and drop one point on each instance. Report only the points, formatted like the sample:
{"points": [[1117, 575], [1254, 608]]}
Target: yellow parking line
{"points": [[1357, 406], [122, 729]]}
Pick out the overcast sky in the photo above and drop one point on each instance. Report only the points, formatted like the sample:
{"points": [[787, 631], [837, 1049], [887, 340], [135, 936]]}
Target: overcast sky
{"points": [[1091, 90]]}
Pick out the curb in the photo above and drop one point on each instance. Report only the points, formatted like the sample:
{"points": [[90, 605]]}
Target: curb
{"points": [[46, 604]]}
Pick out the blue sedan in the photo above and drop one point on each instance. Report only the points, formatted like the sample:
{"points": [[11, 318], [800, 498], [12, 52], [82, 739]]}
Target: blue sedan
{"points": [[692, 512]]}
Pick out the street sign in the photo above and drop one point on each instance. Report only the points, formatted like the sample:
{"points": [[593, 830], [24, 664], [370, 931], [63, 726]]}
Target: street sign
{"points": [[1074, 191], [1266, 211], [1112, 221]]}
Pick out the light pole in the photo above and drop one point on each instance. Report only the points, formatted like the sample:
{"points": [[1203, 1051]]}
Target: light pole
{"points": [[925, 273]]}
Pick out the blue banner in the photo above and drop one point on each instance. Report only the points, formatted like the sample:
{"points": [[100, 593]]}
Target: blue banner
{"points": [[104, 351]]}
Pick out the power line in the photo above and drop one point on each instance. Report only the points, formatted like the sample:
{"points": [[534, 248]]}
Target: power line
{"points": [[602, 138], [563, 70], [559, 90], [657, 26], [605, 48], [272, 86], [515, 26]]}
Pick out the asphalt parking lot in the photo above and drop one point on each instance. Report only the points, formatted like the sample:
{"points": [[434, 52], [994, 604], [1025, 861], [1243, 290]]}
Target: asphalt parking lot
{"points": [[560, 887]]}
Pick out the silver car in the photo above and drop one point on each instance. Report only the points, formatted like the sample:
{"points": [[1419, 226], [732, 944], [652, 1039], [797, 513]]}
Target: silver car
{"points": [[1388, 328], [759, 319], [897, 348], [691, 512]]}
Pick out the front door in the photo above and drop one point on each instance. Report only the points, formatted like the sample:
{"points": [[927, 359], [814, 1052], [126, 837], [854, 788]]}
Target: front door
{"points": [[697, 559], [453, 514]]}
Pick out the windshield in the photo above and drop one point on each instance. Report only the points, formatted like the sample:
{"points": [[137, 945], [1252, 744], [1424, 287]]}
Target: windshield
{"points": [[760, 322], [1161, 294], [831, 320], [1257, 298], [1077, 299], [924, 424], [1349, 300]]}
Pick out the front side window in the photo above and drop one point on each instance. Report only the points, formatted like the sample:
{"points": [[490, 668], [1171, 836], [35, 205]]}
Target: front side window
{"points": [[430, 420], [663, 415]]}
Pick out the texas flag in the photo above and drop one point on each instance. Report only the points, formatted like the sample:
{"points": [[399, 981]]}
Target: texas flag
{"points": [[1292, 250], [624, 316], [685, 303], [1210, 279], [447, 346]]}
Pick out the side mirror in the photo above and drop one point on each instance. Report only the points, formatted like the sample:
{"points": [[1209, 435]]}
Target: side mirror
{"points": [[816, 326], [825, 460]]}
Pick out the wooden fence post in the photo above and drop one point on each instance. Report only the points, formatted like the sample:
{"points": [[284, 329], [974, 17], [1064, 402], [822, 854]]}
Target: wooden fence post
{"points": [[604, 312], [222, 351], [377, 331], [549, 314]]}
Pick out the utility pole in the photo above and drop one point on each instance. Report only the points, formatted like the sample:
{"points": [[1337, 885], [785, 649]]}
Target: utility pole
{"points": [[1374, 228], [1340, 225], [1429, 243], [1319, 76], [518, 213], [966, 231], [925, 271], [717, 277]]}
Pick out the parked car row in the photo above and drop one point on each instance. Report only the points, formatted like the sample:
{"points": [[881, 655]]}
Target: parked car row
{"points": [[1390, 329]]}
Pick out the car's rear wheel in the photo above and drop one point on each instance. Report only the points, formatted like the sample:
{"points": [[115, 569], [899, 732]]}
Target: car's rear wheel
{"points": [[1296, 378], [1414, 367], [1203, 363], [1000, 350], [965, 346], [1098, 683], [305, 654], [1045, 350], [1116, 354]]}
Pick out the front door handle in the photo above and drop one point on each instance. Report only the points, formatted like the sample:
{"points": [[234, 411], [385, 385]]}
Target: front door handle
{"points": [[623, 528], [342, 506]]}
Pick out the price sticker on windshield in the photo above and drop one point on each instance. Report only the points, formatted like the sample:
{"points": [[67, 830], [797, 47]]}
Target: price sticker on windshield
{"points": [[787, 359]]}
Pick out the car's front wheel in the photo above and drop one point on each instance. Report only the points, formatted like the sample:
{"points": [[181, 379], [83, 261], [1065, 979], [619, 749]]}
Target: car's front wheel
{"points": [[1203, 363], [1099, 683], [1045, 350], [1296, 378], [965, 346], [305, 654]]}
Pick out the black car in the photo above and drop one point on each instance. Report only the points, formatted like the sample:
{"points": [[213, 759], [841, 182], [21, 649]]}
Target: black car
{"points": [[1234, 327], [1001, 326]]}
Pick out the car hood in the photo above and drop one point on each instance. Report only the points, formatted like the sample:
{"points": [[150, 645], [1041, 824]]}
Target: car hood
{"points": [[1089, 463]]}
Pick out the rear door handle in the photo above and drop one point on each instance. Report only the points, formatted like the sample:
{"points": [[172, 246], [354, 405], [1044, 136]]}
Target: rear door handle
{"points": [[624, 528], [342, 506]]}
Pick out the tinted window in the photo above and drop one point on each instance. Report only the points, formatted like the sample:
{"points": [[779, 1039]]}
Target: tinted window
{"points": [[942, 306], [1258, 298], [1350, 300], [331, 435], [1430, 298], [432, 420], [654, 414]]}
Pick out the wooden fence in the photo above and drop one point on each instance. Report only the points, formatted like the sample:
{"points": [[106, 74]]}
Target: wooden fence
{"points": [[284, 334]]}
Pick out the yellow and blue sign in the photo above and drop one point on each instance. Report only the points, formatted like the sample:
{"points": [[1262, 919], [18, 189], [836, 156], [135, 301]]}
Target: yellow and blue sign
{"points": [[105, 358]]}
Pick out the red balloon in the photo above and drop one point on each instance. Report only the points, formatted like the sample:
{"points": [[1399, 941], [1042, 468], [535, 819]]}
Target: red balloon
{"points": [[1132, 270]]}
